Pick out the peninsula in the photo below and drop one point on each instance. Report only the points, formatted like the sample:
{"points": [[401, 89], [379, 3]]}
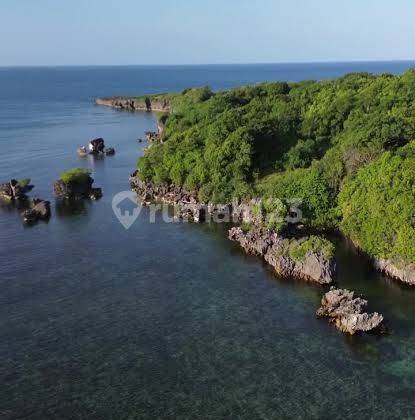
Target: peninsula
{"points": [[342, 149]]}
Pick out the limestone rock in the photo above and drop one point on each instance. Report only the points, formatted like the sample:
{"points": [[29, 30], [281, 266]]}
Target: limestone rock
{"points": [[347, 312], [274, 248]]}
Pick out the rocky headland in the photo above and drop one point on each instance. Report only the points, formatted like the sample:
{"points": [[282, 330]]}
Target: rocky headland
{"points": [[131, 103]]}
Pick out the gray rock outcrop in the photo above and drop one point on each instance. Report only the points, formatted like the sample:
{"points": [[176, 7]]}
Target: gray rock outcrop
{"points": [[15, 190], [313, 266], [77, 190], [347, 312], [38, 210]]}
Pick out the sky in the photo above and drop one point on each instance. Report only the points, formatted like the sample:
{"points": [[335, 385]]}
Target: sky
{"points": [[109, 32]]}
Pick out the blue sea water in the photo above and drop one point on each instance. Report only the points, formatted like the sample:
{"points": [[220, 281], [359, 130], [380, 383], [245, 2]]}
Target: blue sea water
{"points": [[168, 321]]}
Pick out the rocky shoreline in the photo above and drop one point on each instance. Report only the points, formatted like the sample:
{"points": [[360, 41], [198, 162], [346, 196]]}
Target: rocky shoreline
{"points": [[274, 248], [187, 205], [314, 265], [404, 274]]}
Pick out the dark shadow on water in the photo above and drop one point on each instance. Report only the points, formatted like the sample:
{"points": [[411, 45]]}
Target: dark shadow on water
{"points": [[69, 208], [12, 206], [37, 222]]}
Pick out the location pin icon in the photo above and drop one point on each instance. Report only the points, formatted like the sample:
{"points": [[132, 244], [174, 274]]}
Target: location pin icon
{"points": [[126, 208]]}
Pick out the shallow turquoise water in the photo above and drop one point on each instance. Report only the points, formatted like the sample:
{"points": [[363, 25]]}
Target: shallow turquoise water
{"points": [[165, 320]]}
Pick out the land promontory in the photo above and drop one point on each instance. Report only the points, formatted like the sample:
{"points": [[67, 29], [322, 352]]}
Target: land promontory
{"points": [[341, 151]]}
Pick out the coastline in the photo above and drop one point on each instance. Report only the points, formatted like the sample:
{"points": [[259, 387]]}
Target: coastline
{"points": [[192, 209]]}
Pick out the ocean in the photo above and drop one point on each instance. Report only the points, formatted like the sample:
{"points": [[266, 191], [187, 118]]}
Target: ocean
{"points": [[168, 320]]}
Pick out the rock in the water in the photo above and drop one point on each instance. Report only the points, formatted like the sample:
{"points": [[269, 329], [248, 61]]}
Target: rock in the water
{"points": [[39, 210], [15, 190], [76, 190], [97, 145], [82, 151], [314, 265], [95, 194], [347, 312], [109, 151]]}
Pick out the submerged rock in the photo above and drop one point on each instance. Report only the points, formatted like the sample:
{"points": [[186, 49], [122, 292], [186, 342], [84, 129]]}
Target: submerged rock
{"points": [[39, 210], [347, 312], [313, 265], [82, 151], [109, 151], [95, 193]]}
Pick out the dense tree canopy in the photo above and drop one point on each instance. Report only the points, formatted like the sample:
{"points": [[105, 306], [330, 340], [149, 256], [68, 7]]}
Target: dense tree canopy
{"points": [[378, 206], [309, 141]]}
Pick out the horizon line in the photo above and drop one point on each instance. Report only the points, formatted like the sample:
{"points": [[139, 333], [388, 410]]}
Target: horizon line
{"points": [[357, 61]]}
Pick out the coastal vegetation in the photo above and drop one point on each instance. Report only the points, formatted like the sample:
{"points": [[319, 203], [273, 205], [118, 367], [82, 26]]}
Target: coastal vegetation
{"points": [[342, 148], [76, 184], [298, 250], [75, 176]]}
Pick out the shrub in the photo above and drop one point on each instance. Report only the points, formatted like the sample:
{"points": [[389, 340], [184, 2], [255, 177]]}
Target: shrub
{"points": [[76, 175], [23, 183], [298, 250]]}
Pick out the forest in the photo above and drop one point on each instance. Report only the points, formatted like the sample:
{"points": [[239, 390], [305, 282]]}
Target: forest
{"points": [[344, 148]]}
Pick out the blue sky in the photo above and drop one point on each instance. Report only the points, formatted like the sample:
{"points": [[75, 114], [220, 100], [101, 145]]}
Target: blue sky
{"points": [[64, 32]]}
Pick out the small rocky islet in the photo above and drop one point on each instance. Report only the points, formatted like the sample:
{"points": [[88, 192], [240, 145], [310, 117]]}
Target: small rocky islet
{"points": [[34, 209], [73, 185], [76, 184], [96, 147], [346, 311]]}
